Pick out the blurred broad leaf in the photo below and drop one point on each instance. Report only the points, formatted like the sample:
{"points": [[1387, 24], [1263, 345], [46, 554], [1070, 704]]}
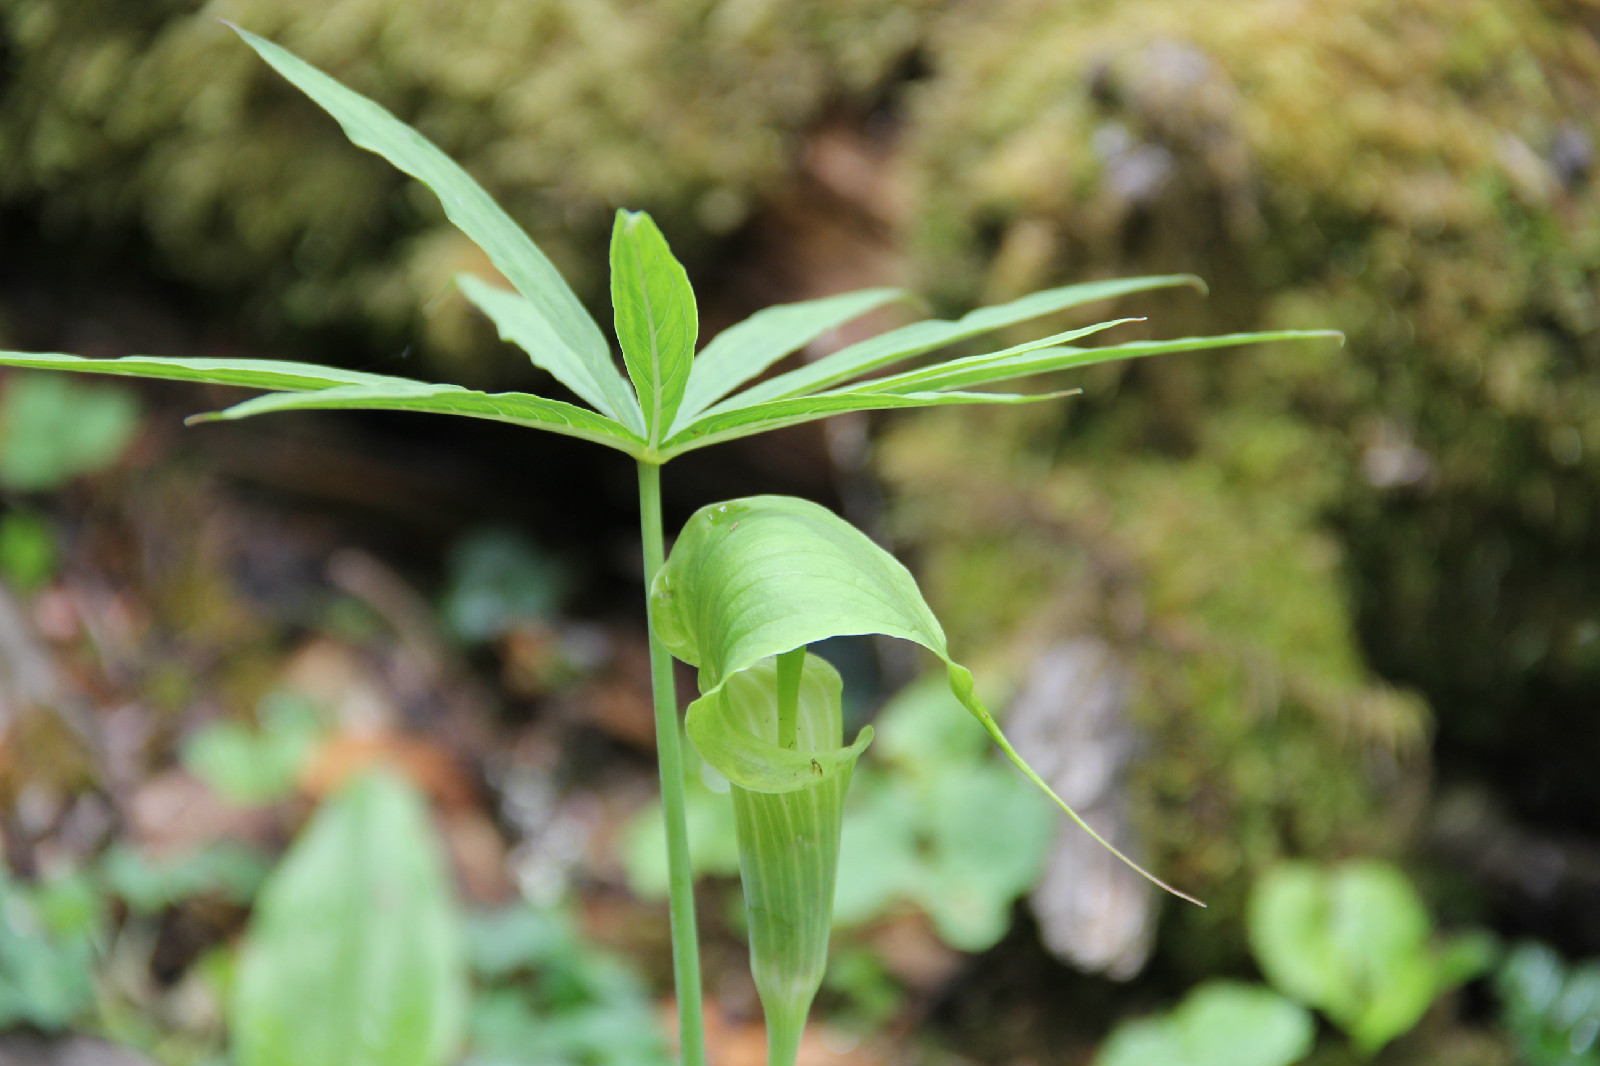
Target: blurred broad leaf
{"points": [[150, 885], [1552, 1010], [987, 840], [880, 856], [53, 429], [496, 578], [548, 997], [936, 822], [919, 736], [48, 938], [354, 955], [28, 552], [1355, 942], [253, 766], [1221, 1023], [713, 850]]}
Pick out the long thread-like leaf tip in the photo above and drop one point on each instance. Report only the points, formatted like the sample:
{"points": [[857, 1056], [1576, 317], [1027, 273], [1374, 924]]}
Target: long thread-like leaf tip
{"points": [[204, 417], [1011, 753], [963, 689], [1196, 282]]}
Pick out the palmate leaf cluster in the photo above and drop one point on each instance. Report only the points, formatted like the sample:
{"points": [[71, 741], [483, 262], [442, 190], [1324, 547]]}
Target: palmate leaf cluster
{"points": [[678, 402]]}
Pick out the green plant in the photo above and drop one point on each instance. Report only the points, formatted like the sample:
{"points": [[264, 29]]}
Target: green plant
{"points": [[751, 580], [29, 555], [148, 886], [78, 948], [548, 997], [257, 766], [1356, 943], [53, 430], [49, 938], [708, 816], [355, 955], [1552, 1010], [498, 578], [1221, 1023], [931, 821], [938, 823]]}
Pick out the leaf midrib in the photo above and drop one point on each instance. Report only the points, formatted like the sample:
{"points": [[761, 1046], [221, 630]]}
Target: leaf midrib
{"points": [[655, 346]]}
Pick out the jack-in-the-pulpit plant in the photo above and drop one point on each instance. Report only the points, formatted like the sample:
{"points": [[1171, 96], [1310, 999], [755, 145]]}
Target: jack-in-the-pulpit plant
{"points": [[751, 582]]}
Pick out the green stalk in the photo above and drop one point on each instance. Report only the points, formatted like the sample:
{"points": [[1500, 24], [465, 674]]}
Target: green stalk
{"points": [[680, 880], [790, 665]]}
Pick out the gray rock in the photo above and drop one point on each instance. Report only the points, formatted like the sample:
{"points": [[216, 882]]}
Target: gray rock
{"points": [[1070, 721]]}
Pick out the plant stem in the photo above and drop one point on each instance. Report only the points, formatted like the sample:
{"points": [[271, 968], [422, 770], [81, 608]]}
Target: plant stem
{"points": [[790, 664], [669, 752], [786, 1024]]}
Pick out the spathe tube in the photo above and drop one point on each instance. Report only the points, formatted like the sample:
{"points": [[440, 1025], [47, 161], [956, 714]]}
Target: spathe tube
{"points": [[788, 807]]}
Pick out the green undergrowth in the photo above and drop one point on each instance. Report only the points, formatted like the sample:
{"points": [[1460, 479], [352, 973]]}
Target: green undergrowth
{"points": [[934, 823], [1264, 734], [149, 118]]}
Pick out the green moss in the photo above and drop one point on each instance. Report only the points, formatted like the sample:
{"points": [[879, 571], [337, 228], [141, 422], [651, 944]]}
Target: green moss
{"points": [[153, 117], [1417, 174], [1266, 734]]}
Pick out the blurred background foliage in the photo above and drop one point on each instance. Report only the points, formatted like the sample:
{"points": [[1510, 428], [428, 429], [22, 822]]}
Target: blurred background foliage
{"points": [[147, 115], [1351, 595]]}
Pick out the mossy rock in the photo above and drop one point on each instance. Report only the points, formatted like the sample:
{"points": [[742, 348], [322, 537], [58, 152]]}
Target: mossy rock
{"points": [[1264, 733], [153, 118], [1419, 175]]}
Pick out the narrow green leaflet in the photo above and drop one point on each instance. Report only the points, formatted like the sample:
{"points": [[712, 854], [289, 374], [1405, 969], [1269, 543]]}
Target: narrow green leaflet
{"points": [[742, 351], [517, 408], [914, 380], [656, 320], [354, 955], [311, 387], [760, 576], [1026, 360], [922, 337], [521, 323], [247, 373], [938, 385], [748, 421], [465, 203]]}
